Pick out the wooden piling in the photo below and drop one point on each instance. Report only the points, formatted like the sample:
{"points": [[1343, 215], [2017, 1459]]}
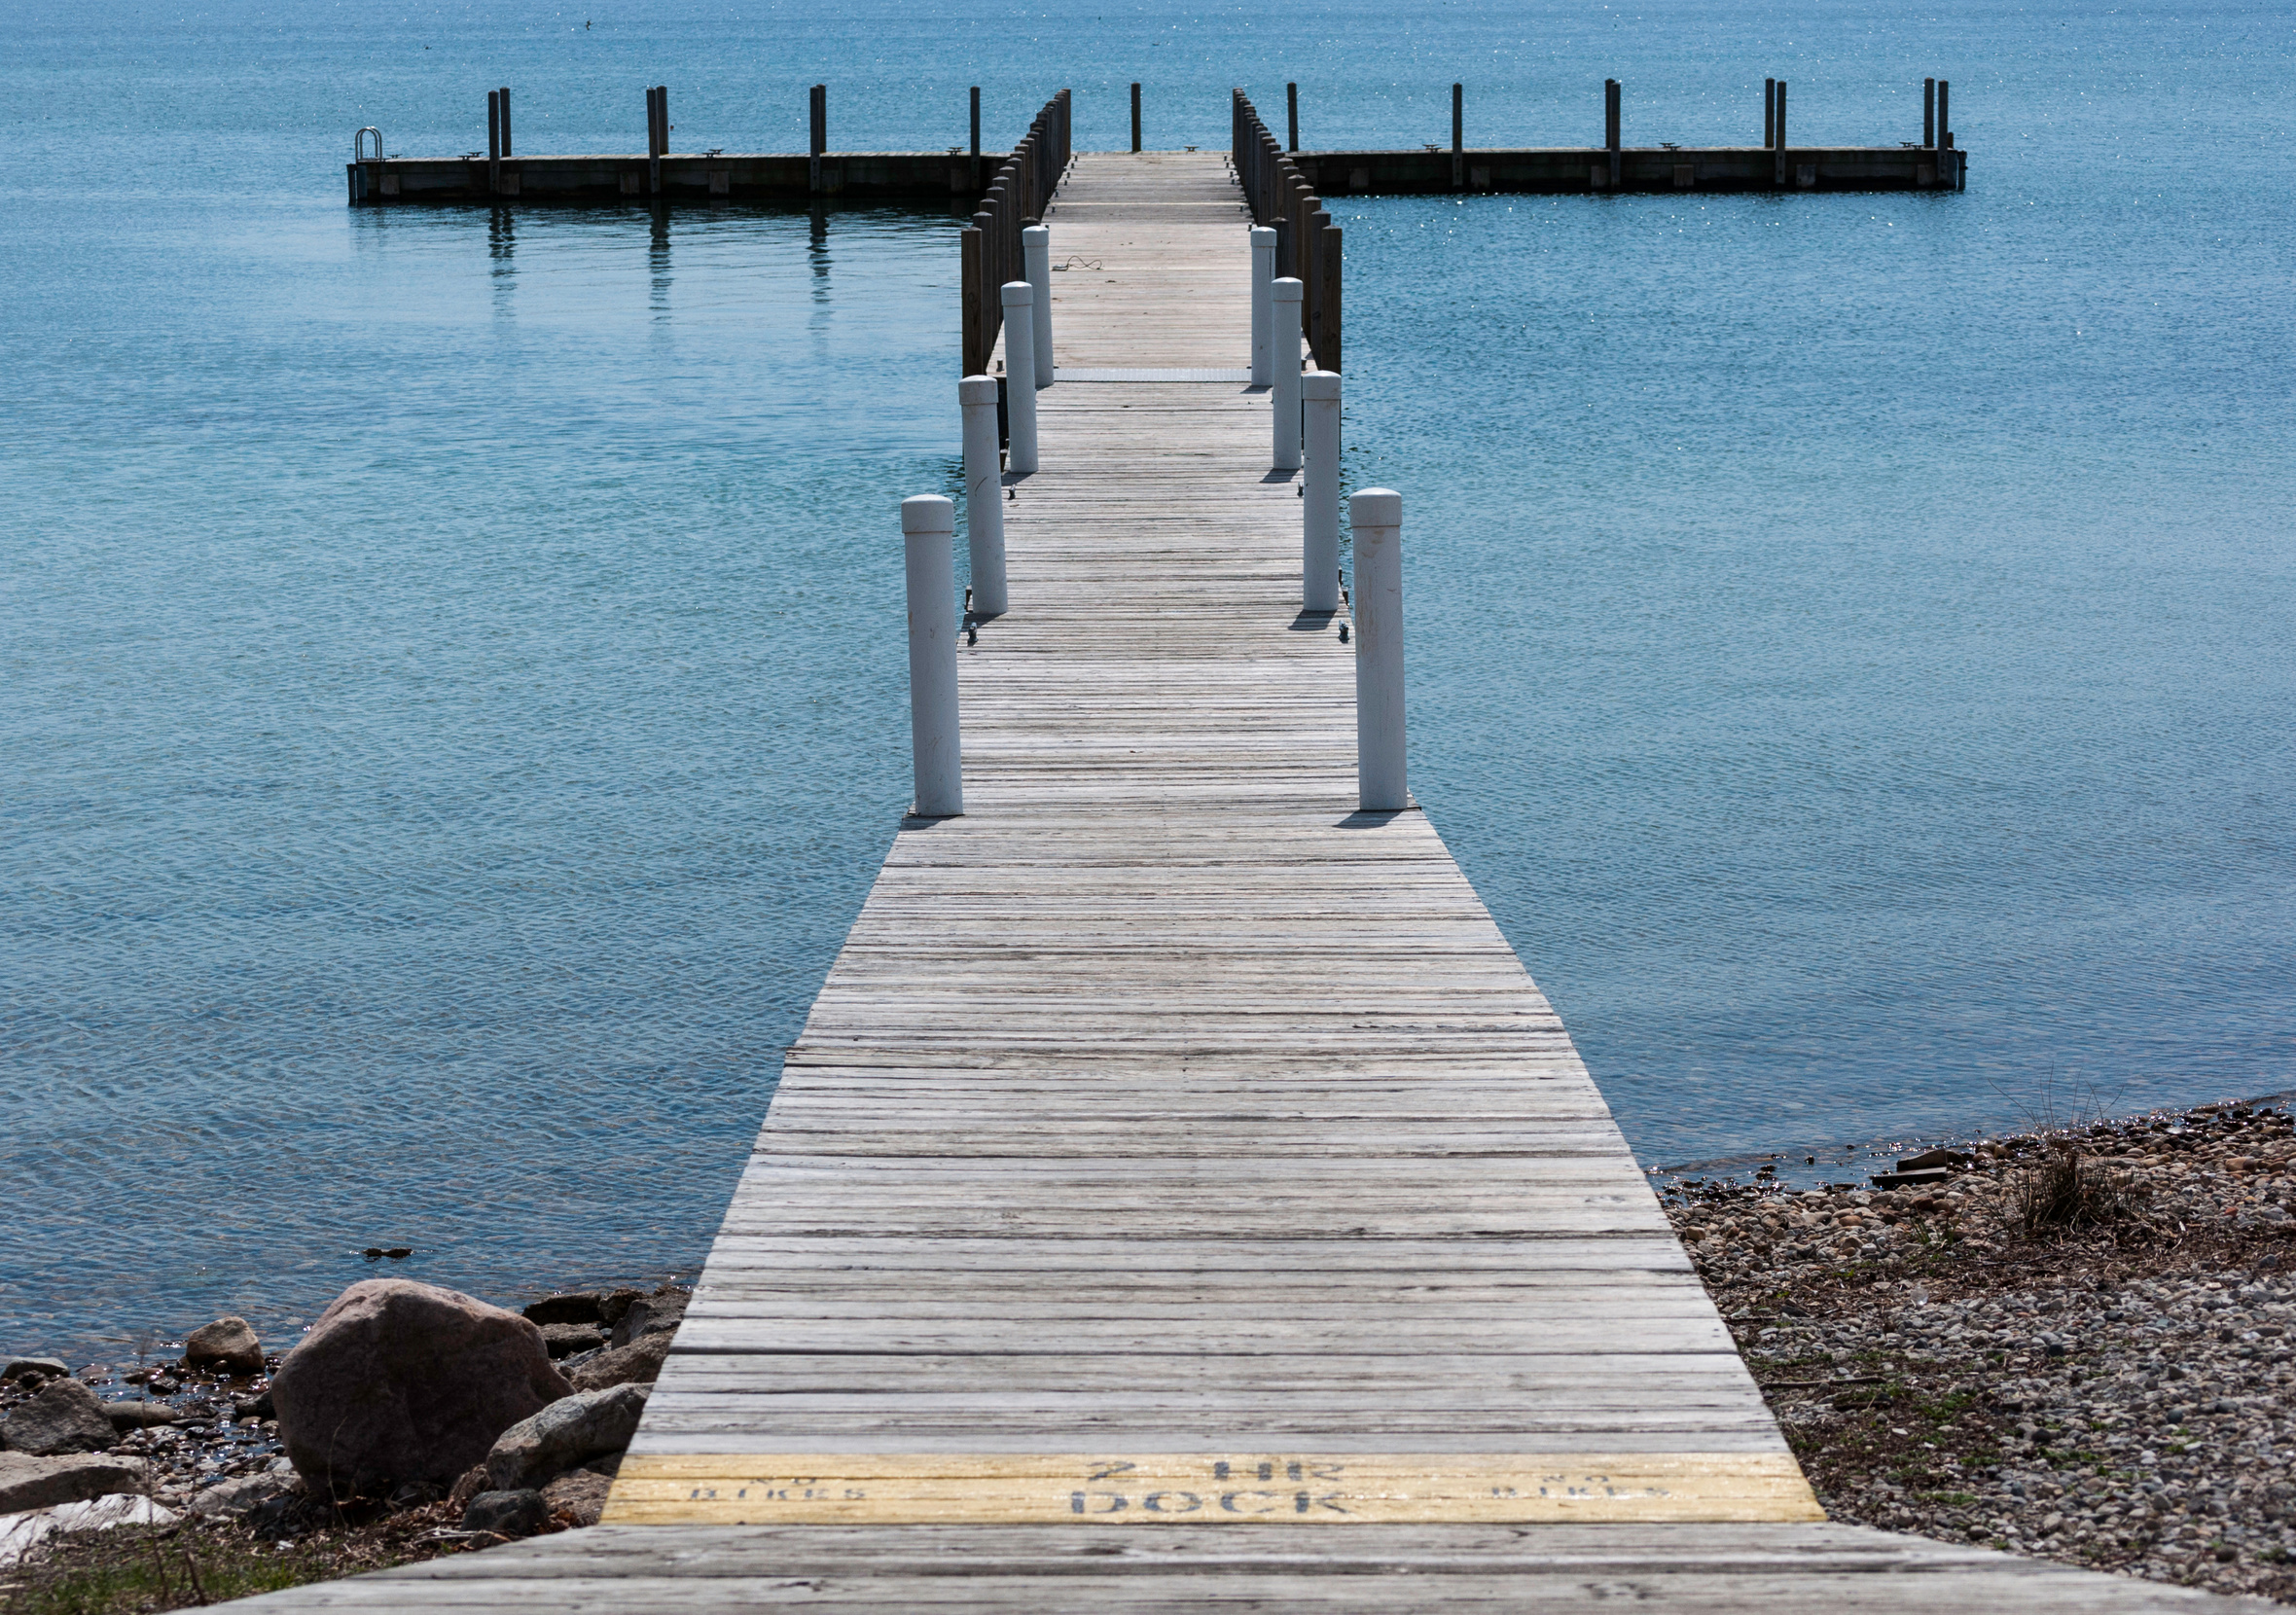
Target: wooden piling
{"points": [[1291, 113], [1459, 136], [1136, 116], [978, 340], [1768, 113], [1327, 301], [819, 134], [1015, 198], [1272, 178], [1321, 343], [1612, 119], [1306, 245], [1928, 113], [976, 138], [504, 92], [1779, 175]]}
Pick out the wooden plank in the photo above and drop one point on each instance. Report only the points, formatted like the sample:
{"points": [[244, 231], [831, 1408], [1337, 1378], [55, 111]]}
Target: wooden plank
{"points": [[1165, 1489], [1250, 1567]]}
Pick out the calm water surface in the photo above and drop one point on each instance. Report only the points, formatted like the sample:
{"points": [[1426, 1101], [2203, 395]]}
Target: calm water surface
{"points": [[449, 697]]}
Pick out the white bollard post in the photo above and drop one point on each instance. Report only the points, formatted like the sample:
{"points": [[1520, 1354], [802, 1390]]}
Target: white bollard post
{"points": [[1263, 310], [928, 533], [1284, 355], [976, 396], [1019, 335], [1319, 505], [1375, 517], [1036, 256]]}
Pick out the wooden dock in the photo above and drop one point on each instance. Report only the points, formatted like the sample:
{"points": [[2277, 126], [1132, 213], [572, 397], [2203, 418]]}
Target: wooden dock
{"points": [[637, 178], [1579, 170], [1176, 1159], [1163, 1116]]}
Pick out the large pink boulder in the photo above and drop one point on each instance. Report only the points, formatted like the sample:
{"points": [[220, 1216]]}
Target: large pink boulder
{"points": [[401, 1382]]}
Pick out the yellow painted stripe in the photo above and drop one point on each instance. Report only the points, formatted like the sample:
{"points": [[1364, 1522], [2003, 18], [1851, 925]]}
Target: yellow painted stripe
{"points": [[828, 1488]]}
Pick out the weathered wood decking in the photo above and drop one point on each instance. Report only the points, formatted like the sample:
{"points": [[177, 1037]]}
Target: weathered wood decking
{"points": [[1163, 1112], [1176, 1158]]}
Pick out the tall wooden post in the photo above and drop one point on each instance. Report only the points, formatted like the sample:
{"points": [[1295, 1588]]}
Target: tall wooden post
{"points": [[1612, 119], [818, 136], [1459, 136], [1291, 113], [1328, 266], [1779, 176], [1135, 117]]}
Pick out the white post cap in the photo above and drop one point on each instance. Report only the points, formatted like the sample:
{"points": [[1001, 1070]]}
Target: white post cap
{"points": [[1317, 385], [929, 513], [1287, 289], [1263, 235], [1017, 293], [1370, 507], [1032, 234], [977, 389]]}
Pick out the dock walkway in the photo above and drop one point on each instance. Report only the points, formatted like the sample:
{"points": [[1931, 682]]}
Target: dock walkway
{"points": [[1163, 1105], [1175, 1158]]}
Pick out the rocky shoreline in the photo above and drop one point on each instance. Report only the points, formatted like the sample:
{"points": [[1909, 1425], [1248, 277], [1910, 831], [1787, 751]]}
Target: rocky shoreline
{"points": [[223, 1449], [2072, 1344]]}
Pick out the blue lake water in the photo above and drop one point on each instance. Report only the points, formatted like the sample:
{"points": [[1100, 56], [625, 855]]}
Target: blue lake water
{"points": [[450, 705]]}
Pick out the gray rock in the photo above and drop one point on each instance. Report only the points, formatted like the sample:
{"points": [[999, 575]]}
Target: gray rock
{"points": [[580, 1496], [663, 1309], [64, 1417], [565, 1339], [575, 1307], [29, 1483], [139, 1415], [227, 1343], [402, 1381], [588, 1424], [243, 1494], [639, 1363], [520, 1513], [472, 1482], [50, 1368]]}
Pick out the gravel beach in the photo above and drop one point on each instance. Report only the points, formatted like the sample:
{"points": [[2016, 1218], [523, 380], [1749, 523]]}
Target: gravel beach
{"points": [[2069, 1344]]}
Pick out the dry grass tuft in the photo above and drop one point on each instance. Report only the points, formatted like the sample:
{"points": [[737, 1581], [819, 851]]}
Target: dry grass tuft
{"points": [[2066, 1189]]}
